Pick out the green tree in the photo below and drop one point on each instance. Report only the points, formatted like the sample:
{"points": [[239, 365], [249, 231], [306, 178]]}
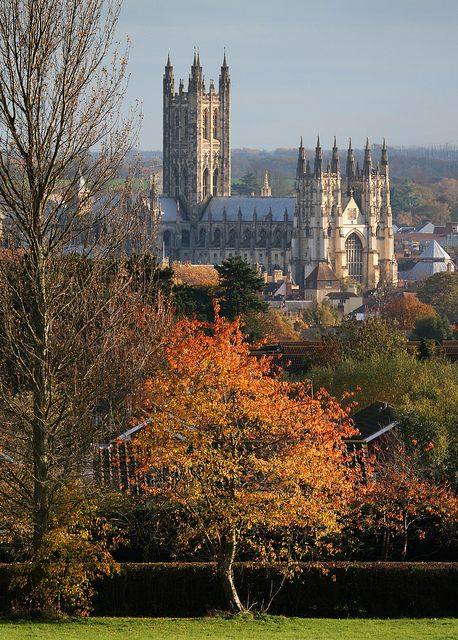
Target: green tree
{"points": [[441, 292], [360, 340], [194, 301], [321, 315], [239, 289], [247, 185], [433, 328], [423, 392]]}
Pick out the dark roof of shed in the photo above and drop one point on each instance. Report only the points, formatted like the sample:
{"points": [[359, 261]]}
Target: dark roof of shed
{"points": [[373, 420]]}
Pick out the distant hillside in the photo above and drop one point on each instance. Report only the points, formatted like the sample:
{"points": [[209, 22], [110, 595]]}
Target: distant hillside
{"points": [[421, 164], [424, 180]]}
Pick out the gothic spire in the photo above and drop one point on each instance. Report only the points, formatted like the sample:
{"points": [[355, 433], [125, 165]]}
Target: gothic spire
{"points": [[196, 72], [367, 160], [301, 165], [266, 191], [224, 75], [169, 81], [384, 168], [335, 162], [350, 168], [318, 158]]}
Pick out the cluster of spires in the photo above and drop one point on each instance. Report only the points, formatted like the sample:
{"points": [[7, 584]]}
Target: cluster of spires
{"points": [[196, 78], [352, 168]]}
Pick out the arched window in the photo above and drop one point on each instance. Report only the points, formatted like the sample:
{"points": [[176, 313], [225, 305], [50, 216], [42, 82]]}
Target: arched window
{"points": [[202, 237], [247, 238], [215, 123], [167, 238], [205, 183], [232, 237], [354, 253], [215, 182], [185, 238], [177, 123], [186, 124], [177, 181], [278, 237], [205, 123], [262, 238], [217, 237]]}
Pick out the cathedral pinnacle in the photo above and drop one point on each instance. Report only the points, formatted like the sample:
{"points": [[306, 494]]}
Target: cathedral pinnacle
{"points": [[384, 169], [301, 165], [318, 159], [367, 159], [335, 163], [350, 168], [266, 191]]}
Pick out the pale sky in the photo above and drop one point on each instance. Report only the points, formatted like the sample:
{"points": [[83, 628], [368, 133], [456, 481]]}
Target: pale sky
{"points": [[300, 67]]}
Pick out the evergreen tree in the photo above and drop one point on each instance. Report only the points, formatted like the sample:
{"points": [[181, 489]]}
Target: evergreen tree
{"points": [[239, 289]]}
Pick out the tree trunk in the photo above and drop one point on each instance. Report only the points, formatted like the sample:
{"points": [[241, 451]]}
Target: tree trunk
{"points": [[226, 572], [41, 387], [406, 538]]}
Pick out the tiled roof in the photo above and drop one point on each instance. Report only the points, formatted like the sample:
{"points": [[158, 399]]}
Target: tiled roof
{"points": [[321, 273], [247, 206]]}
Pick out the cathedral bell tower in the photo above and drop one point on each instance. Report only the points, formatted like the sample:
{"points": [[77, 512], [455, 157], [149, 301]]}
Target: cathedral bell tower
{"points": [[197, 154]]}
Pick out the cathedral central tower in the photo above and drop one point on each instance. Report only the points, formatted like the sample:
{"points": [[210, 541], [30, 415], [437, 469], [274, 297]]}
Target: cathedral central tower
{"points": [[197, 154]]}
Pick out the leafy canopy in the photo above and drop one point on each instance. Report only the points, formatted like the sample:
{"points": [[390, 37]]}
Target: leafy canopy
{"points": [[253, 460]]}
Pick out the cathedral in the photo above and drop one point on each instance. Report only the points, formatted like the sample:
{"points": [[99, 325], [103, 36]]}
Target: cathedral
{"points": [[339, 219]]}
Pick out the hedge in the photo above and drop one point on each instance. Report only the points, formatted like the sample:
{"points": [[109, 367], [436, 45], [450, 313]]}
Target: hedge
{"points": [[331, 589]]}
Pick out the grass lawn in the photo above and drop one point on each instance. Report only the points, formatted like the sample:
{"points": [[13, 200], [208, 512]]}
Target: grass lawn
{"points": [[269, 627]]}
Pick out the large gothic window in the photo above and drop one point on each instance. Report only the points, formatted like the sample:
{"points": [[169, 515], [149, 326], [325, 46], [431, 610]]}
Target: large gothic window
{"points": [[186, 125], [232, 237], [205, 183], [215, 182], [215, 123], [247, 238], [202, 237], [354, 252], [185, 238], [217, 237], [262, 239], [205, 123], [177, 181], [167, 238]]}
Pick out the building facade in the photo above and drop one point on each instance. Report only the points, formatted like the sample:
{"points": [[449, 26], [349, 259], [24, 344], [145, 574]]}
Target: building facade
{"points": [[342, 220]]}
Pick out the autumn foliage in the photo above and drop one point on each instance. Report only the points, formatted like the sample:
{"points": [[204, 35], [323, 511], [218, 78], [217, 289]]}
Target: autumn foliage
{"points": [[401, 503], [406, 310], [253, 461]]}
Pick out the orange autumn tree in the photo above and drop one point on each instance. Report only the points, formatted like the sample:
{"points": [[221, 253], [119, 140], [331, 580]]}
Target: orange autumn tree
{"points": [[401, 503], [406, 310], [252, 460]]}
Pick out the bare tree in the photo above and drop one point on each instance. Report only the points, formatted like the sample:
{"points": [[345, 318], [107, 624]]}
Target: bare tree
{"points": [[75, 337]]}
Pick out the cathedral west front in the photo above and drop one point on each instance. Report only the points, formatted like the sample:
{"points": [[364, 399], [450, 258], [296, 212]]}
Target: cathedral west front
{"points": [[340, 217]]}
